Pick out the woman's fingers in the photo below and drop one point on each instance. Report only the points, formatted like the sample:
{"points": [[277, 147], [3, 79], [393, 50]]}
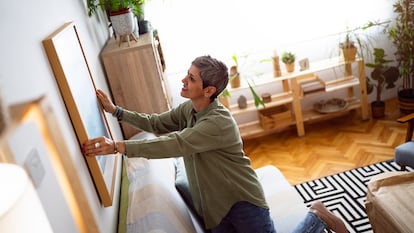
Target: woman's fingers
{"points": [[105, 101], [98, 146]]}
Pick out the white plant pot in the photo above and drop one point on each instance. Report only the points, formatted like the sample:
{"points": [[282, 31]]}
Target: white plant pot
{"points": [[123, 23]]}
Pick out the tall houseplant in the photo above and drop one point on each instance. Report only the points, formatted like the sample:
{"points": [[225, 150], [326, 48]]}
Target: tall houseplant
{"points": [[401, 33], [382, 76]]}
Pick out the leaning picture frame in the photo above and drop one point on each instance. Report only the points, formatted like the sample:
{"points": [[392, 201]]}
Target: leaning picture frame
{"points": [[71, 70], [34, 141]]}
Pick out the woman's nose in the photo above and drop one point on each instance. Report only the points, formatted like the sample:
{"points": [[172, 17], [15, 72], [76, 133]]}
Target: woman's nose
{"points": [[184, 79]]}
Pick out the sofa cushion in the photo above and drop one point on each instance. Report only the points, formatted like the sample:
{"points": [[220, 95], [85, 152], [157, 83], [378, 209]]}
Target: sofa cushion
{"points": [[154, 203], [181, 183], [404, 154]]}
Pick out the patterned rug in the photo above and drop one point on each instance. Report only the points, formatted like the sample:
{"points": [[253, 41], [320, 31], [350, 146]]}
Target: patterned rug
{"points": [[344, 193]]}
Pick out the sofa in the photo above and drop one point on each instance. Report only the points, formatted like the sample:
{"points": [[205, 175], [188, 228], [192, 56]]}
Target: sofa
{"points": [[153, 200]]}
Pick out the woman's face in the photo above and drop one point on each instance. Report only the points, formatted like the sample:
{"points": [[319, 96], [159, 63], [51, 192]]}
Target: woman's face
{"points": [[192, 84]]}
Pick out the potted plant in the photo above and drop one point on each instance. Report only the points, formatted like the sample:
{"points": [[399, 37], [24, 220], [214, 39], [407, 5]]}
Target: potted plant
{"points": [[120, 13], [401, 33], [382, 76], [235, 82], [289, 59], [357, 42], [224, 98], [348, 49], [234, 73]]}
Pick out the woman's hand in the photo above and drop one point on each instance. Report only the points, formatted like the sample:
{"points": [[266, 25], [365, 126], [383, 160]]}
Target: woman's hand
{"points": [[102, 146], [105, 101]]}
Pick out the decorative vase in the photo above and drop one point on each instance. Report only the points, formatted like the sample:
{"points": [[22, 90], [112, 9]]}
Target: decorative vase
{"points": [[276, 67], [290, 67], [144, 26], [234, 77]]}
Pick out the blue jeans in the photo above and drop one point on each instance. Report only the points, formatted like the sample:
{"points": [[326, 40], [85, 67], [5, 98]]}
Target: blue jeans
{"points": [[247, 218], [311, 224], [244, 217]]}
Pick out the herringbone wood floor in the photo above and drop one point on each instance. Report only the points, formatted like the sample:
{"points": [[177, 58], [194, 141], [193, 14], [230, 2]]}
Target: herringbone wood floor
{"points": [[329, 147]]}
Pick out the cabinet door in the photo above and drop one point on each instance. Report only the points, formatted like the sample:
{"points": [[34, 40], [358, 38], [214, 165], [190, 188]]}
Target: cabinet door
{"points": [[135, 78]]}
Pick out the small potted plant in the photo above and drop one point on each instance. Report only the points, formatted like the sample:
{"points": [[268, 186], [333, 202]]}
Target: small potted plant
{"points": [[234, 73], [289, 59], [224, 98], [382, 76], [348, 49], [357, 42], [119, 12], [235, 82]]}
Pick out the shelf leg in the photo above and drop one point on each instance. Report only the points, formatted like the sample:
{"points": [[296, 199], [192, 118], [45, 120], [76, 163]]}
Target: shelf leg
{"points": [[363, 90], [297, 109]]}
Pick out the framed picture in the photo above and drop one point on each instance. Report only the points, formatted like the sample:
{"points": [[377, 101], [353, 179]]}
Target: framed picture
{"points": [[72, 73], [34, 141]]}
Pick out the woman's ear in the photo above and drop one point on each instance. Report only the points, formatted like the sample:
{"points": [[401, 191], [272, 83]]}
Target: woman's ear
{"points": [[209, 91]]}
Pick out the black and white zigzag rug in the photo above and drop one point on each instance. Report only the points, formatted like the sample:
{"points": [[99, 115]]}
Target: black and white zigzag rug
{"points": [[345, 193]]}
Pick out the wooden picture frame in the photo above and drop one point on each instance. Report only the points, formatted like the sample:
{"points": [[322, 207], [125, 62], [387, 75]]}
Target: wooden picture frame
{"points": [[33, 129], [75, 81]]}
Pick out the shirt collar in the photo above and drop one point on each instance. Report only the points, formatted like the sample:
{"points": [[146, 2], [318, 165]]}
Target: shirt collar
{"points": [[212, 105]]}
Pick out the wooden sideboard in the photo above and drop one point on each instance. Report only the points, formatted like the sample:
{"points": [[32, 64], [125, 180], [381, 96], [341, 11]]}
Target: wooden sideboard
{"points": [[136, 78]]}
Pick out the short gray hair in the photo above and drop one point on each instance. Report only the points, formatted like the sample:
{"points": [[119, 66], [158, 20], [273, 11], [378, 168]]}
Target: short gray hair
{"points": [[213, 73]]}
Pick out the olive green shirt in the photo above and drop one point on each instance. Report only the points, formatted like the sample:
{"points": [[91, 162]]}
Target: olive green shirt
{"points": [[219, 174]]}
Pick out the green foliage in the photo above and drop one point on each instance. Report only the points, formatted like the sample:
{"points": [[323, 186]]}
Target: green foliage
{"points": [[225, 93], [356, 37], [401, 33], [257, 100], [109, 6], [288, 57], [382, 74], [234, 58]]}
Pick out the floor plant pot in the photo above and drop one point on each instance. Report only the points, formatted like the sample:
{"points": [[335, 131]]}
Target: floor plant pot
{"points": [[406, 100], [378, 109]]}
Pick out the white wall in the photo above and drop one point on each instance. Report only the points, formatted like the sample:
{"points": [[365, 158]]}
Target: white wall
{"points": [[25, 74], [312, 29]]}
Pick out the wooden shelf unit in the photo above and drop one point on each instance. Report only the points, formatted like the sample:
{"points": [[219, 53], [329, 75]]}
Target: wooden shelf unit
{"points": [[293, 94]]}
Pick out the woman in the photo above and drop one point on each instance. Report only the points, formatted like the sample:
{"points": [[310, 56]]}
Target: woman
{"points": [[224, 188]]}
